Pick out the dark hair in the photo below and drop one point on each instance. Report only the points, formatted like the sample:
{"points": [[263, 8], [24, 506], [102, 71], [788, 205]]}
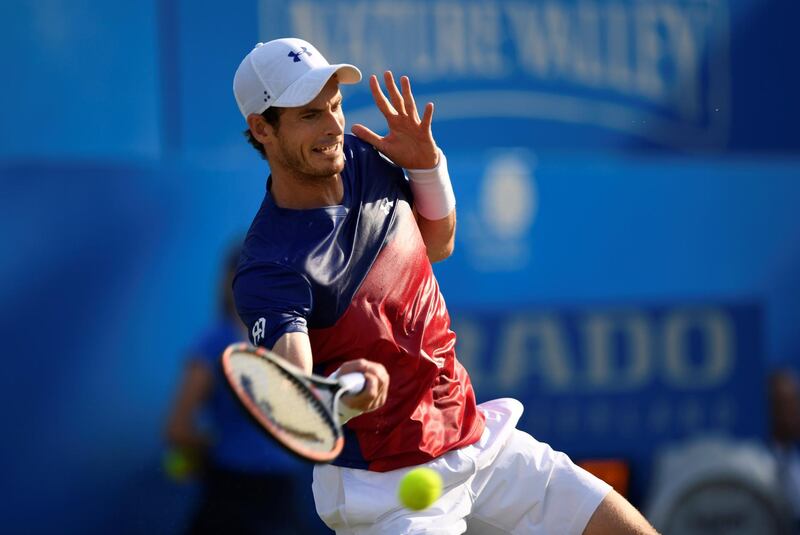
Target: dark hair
{"points": [[273, 116]]}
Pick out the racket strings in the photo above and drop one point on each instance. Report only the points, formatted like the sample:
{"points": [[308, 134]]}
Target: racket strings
{"points": [[294, 412]]}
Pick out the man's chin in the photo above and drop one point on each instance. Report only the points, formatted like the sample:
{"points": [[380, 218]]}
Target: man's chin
{"points": [[320, 167], [332, 168], [322, 173]]}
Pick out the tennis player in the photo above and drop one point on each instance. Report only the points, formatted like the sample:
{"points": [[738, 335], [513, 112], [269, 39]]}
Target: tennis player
{"points": [[336, 275]]}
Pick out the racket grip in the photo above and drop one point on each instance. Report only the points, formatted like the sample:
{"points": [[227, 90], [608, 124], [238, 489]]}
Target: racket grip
{"points": [[352, 383]]}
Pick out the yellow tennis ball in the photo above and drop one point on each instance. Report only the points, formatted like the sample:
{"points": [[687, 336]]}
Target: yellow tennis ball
{"points": [[419, 488], [178, 464]]}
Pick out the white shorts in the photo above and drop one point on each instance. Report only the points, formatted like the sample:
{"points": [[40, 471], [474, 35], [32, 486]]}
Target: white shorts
{"points": [[507, 482]]}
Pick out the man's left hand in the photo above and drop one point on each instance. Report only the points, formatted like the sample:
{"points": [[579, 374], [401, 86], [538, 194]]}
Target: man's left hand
{"points": [[409, 142]]}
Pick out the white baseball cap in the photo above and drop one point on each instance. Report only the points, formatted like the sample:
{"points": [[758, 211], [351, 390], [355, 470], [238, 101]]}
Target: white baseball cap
{"points": [[287, 73]]}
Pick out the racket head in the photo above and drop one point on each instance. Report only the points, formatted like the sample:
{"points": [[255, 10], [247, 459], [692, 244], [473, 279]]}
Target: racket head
{"points": [[278, 396]]}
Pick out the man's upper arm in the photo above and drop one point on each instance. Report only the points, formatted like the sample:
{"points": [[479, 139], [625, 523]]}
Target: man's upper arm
{"points": [[272, 300]]}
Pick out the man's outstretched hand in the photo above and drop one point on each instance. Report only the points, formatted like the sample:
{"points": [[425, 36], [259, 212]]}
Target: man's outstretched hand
{"points": [[409, 142]]}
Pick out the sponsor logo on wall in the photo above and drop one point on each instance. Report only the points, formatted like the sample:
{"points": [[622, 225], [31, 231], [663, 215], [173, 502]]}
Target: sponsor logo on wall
{"points": [[601, 373], [654, 69]]}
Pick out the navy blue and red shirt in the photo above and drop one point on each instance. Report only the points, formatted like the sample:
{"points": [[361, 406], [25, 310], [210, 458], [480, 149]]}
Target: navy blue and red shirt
{"points": [[357, 279]]}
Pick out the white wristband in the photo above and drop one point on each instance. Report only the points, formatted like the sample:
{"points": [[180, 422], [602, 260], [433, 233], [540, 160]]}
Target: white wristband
{"points": [[433, 192], [344, 412]]}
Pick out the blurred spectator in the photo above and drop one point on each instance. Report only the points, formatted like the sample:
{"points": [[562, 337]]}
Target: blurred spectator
{"points": [[784, 401], [248, 483]]}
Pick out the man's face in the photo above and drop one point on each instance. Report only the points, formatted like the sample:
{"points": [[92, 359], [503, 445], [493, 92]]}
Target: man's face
{"points": [[309, 139]]}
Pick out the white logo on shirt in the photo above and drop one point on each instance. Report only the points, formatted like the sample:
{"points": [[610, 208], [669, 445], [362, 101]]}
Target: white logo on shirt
{"points": [[258, 330]]}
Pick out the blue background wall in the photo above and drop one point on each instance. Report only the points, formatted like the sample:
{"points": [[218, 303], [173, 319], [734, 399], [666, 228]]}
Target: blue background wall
{"points": [[646, 164]]}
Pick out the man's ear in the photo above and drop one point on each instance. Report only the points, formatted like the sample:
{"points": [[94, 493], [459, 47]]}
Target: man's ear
{"points": [[260, 129]]}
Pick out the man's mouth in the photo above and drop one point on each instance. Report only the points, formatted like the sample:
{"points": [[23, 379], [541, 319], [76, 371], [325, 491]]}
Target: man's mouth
{"points": [[327, 149]]}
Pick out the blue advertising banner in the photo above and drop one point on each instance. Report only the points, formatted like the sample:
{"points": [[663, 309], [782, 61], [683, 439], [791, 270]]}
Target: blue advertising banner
{"points": [[564, 73], [125, 177], [621, 381], [707, 75], [654, 71]]}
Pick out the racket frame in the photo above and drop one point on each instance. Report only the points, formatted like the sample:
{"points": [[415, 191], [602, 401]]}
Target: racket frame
{"points": [[307, 382]]}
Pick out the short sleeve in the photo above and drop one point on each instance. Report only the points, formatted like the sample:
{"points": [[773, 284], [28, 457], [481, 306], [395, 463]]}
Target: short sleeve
{"points": [[272, 300]]}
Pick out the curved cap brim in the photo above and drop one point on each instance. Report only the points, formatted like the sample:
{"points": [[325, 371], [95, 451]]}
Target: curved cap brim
{"points": [[307, 87]]}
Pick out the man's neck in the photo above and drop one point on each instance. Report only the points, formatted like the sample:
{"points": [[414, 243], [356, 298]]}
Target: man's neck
{"points": [[304, 193]]}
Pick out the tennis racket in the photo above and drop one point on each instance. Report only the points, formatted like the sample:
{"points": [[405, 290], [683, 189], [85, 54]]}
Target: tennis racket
{"points": [[299, 410]]}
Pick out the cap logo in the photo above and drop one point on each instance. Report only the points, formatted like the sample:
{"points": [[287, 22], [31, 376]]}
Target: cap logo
{"points": [[296, 55]]}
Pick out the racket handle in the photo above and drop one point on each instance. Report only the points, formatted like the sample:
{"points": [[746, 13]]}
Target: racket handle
{"points": [[352, 383]]}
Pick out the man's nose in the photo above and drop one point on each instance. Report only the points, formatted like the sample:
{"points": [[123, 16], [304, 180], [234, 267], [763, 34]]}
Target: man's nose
{"points": [[334, 123]]}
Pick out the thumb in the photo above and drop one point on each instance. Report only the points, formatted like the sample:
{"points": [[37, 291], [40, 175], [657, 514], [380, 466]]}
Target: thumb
{"points": [[365, 134]]}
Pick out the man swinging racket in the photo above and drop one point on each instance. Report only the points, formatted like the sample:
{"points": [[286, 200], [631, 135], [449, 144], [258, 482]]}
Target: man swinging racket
{"points": [[335, 276]]}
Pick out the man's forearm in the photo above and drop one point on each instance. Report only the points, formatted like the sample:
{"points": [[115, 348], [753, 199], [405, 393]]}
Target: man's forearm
{"points": [[295, 348], [439, 236]]}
